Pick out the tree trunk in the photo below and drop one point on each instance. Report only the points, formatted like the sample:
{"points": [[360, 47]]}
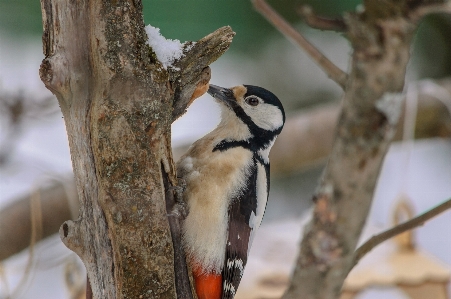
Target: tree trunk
{"points": [[117, 101], [380, 35]]}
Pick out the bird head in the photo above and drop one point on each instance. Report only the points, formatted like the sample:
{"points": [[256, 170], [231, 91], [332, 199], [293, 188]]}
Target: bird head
{"points": [[255, 106]]}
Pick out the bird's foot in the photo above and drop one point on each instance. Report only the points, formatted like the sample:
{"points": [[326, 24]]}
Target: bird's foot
{"points": [[178, 190], [180, 210]]}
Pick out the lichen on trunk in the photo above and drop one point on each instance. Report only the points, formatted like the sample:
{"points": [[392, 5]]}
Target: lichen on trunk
{"points": [[117, 102]]}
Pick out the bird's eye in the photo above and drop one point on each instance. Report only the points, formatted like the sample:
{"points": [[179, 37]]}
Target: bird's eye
{"points": [[253, 101]]}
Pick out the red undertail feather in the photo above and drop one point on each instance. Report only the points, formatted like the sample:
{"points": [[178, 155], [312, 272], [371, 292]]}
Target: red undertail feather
{"points": [[208, 286]]}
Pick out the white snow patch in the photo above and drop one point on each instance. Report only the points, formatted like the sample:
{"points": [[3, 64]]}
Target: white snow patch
{"points": [[167, 50], [390, 104]]}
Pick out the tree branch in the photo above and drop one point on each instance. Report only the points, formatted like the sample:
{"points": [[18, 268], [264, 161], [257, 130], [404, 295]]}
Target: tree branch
{"points": [[321, 23], [403, 227], [417, 13], [286, 29], [16, 224], [194, 73]]}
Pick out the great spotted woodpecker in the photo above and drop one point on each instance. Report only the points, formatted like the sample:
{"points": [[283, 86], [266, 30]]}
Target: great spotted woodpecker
{"points": [[227, 184]]}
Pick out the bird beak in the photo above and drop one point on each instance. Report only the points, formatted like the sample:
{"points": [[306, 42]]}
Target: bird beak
{"points": [[223, 95]]}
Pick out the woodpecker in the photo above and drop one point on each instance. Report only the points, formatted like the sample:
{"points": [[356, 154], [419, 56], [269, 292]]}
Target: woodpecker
{"points": [[226, 177]]}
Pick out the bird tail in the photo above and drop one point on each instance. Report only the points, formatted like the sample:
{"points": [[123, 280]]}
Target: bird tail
{"points": [[208, 285]]}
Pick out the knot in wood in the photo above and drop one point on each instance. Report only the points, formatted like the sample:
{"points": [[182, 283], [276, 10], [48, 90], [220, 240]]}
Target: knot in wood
{"points": [[325, 248]]}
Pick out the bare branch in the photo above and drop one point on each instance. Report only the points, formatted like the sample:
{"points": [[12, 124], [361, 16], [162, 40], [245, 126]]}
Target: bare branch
{"points": [[15, 109], [16, 224], [321, 23], [403, 227], [421, 11], [286, 29]]}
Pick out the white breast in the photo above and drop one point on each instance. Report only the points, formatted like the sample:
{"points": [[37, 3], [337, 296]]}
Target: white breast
{"points": [[211, 178]]}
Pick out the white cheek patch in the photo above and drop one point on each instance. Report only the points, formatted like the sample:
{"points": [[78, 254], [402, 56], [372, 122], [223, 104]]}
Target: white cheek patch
{"points": [[265, 116]]}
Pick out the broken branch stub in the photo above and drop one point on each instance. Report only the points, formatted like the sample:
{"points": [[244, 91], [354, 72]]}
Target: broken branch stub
{"points": [[190, 74], [117, 102], [321, 23], [333, 72]]}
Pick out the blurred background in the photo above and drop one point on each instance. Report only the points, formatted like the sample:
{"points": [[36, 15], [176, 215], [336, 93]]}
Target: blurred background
{"points": [[35, 160]]}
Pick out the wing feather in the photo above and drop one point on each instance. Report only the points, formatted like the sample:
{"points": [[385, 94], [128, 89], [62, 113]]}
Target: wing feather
{"points": [[239, 231]]}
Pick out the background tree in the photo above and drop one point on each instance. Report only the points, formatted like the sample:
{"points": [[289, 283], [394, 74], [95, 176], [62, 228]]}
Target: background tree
{"points": [[380, 35]]}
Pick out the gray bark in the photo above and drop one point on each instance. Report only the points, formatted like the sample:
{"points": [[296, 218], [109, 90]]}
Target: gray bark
{"points": [[117, 101], [381, 37]]}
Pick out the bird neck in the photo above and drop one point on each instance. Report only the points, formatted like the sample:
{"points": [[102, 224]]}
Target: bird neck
{"points": [[232, 132]]}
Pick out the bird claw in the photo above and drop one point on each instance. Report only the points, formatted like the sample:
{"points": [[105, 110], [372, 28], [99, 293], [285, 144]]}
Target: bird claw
{"points": [[180, 210], [178, 190]]}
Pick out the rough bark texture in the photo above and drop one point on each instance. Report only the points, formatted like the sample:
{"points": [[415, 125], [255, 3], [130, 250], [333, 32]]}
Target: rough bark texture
{"points": [[117, 101], [371, 108], [380, 37], [194, 72]]}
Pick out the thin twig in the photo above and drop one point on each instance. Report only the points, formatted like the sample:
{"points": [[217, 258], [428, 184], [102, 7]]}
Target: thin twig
{"points": [[317, 22], [403, 227], [421, 11], [286, 29]]}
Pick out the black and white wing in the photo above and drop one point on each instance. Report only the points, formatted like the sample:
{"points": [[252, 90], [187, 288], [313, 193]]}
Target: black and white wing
{"points": [[242, 212]]}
